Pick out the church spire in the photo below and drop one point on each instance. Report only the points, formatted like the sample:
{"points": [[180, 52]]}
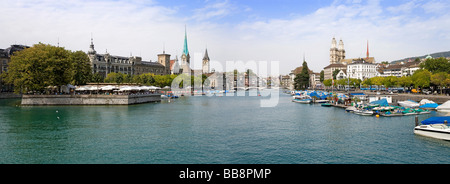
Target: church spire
{"points": [[367, 49], [206, 57], [185, 48]]}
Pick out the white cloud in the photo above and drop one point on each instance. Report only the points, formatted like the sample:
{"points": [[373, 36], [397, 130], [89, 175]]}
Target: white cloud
{"points": [[213, 10]]}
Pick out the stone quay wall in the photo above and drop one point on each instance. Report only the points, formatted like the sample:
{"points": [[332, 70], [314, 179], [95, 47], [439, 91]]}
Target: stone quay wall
{"points": [[89, 99]]}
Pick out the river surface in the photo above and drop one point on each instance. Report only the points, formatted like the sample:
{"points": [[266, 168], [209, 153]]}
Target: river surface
{"points": [[211, 130]]}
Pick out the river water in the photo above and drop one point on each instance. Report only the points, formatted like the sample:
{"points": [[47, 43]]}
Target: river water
{"points": [[211, 130]]}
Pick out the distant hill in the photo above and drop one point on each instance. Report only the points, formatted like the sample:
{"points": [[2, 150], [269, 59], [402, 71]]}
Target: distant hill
{"points": [[435, 55]]}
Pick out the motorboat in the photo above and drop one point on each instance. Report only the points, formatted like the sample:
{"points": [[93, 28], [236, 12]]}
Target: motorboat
{"points": [[363, 112], [445, 107], [302, 99], [408, 112], [408, 104], [326, 104], [321, 101], [427, 104], [435, 127], [367, 113], [350, 109]]}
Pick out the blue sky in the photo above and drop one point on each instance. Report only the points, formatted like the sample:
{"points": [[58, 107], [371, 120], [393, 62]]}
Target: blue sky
{"points": [[232, 30]]}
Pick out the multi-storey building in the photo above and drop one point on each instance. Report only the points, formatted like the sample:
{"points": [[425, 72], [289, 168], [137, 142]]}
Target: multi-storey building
{"points": [[360, 69]]}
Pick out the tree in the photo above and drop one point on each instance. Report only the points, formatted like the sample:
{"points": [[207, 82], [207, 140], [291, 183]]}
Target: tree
{"points": [[404, 81], [114, 77], [97, 78], [421, 78], [327, 82], [322, 76], [301, 80], [81, 68], [390, 81], [440, 79], [436, 65], [42, 65], [335, 72], [367, 82], [355, 82]]}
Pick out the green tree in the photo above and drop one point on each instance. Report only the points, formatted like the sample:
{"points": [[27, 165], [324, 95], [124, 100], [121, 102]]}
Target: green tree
{"points": [[335, 72], [81, 68], [301, 80], [327, 82], [322, 76], [421, 78], [440, 79], [355, 82], [114, 77], [390, 81], [43, 65], [367, 82], [436, 65], [97, 78], [405, 81]]}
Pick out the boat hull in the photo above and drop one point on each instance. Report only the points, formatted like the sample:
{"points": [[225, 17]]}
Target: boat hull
{"points": [[302, 101], [427, 131]]}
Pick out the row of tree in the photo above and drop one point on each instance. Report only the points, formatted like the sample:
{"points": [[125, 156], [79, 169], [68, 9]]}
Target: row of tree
{"points": [[41, 66], [422, 78]]}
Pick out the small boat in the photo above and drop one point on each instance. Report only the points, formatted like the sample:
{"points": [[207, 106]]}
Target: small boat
{"points": [[302, 99], [445, 107], [326, 104], [350, 109], [435, 127], [367, 113], [427, 104], [363, 112], [391, 114], [321, 101], [409, 104]]}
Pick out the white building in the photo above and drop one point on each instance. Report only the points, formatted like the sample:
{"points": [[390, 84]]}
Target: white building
{"points": [[361, 70]]}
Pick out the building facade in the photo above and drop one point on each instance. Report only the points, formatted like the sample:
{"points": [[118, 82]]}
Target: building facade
{"points": [[133, 65], [337, 53], [360, 69], [328, 70]]}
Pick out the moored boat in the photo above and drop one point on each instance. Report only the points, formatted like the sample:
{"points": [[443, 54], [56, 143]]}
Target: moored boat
{"points": [[408, 104], [350, 109], [302, 99], [435, 127], [445, 107], [326, 104]]}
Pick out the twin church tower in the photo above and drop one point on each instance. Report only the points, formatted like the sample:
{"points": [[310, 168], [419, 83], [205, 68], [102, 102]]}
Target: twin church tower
{"points": [[104, 64]]}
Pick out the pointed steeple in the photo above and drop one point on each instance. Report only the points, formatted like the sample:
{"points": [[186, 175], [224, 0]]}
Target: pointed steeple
{"points": [[367, 49], [185, 48], [206, 57]]}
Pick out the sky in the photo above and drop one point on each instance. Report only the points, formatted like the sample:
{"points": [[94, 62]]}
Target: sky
{"points": [[233, 30]]}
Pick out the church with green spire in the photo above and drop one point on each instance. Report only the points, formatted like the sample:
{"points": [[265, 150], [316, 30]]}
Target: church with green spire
{"points": [[185, 57]]}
